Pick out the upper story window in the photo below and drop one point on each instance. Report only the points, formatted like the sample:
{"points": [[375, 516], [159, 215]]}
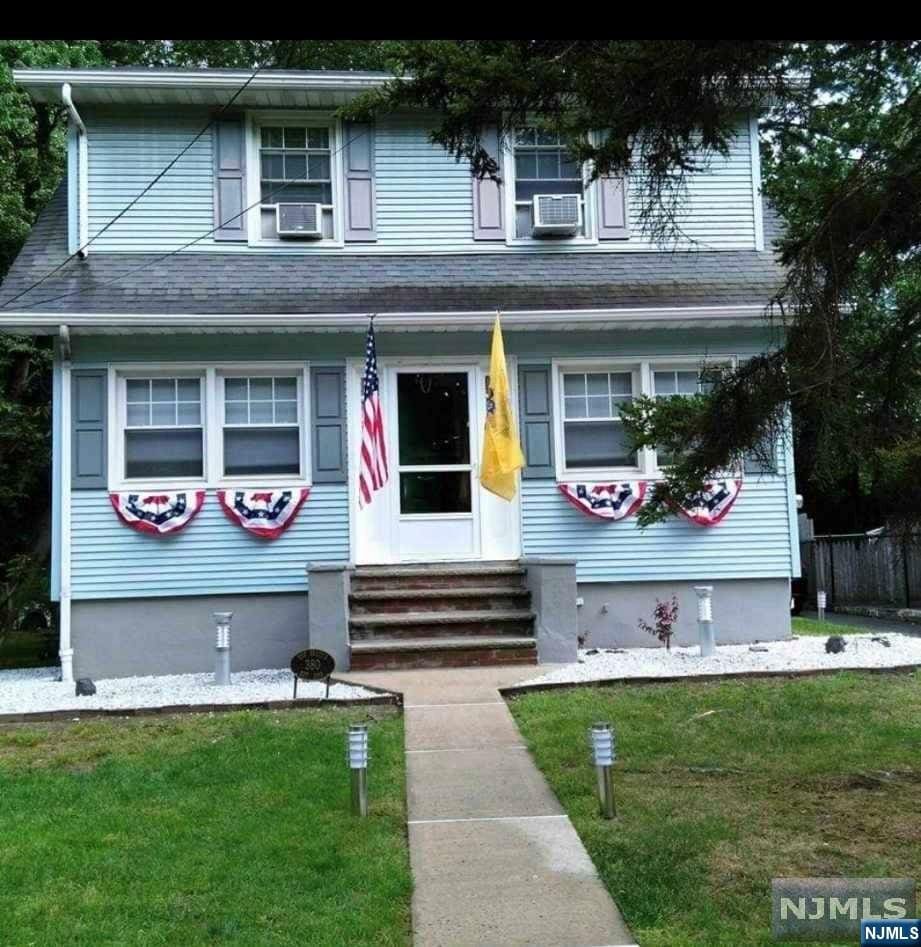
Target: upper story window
{"points": [[162, 428], [296, 171], [544, 167]]}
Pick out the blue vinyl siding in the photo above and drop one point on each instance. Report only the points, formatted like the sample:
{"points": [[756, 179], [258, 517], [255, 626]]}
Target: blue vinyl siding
{"points": [[210, 556], [753, 541], [424, 197]]}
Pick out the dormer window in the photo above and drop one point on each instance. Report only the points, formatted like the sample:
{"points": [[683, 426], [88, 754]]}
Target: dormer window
{"points": [[296, 181], [549, 191]]}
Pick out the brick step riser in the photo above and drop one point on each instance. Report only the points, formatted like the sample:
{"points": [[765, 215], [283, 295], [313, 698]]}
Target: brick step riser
{"points": [[484, 630], [409, 603], [408, 660], [360, 583]]}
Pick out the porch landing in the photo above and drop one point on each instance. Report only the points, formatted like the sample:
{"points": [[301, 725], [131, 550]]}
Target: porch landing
{"points": [[495, 859]]}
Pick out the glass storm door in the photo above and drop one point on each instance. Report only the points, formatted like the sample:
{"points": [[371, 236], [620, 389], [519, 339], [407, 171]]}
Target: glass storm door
{"points": [[437, 514]]}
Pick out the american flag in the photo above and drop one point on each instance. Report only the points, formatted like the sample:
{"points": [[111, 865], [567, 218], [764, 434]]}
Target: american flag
{"points": [[372, 474]]}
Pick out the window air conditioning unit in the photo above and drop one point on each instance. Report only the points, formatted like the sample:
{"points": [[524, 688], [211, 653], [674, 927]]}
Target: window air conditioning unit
{"points": [[304, 221], [557, 213]]}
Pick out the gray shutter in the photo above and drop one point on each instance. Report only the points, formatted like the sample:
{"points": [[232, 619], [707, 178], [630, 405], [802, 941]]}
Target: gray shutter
{"points": [[359, 183], [535, 392], [88, 429], [328, 424], [229, 142], [612, 209], [489, 197]]}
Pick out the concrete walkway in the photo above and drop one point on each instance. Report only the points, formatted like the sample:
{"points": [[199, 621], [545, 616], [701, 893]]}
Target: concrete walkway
{"points": [[495, 859]]}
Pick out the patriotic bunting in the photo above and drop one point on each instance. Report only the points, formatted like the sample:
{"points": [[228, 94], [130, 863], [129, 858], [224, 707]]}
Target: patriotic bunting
{"points": [[605, 501], [265, 513], [708, 507], [157, 513]]}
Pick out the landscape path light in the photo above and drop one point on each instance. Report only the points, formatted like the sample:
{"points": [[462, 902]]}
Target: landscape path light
{"points": [[601, 737], [357, 758], [222, 647], [705, 619], [821, 602]]}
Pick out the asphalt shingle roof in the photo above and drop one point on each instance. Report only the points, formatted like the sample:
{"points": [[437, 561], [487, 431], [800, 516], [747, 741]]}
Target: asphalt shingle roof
{"points": [[197, 282]]}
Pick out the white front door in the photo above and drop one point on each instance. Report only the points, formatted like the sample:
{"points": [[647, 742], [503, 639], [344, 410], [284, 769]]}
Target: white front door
{"points": [[434, 470], [433, 507]]}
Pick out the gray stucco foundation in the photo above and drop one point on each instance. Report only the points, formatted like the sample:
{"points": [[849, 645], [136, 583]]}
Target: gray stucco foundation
{"points": [[744, 611], [125, 637]]}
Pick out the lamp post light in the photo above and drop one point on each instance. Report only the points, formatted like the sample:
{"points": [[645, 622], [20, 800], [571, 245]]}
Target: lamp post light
{"points": [[705, 619], [222, 647], [358, 767], [602, 740], [821, 602]]}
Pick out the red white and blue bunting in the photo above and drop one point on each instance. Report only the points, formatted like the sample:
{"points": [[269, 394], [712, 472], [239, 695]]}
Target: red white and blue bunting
{"points": [[709, 506], [605, 501], [157, 513], [265, 513]]}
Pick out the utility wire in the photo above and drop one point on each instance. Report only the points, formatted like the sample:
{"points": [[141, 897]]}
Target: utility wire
{"points": [[114, 220], [165, 256]]}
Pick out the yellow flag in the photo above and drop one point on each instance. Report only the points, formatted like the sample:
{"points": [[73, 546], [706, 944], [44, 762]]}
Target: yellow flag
{"points": [[502, 456]]}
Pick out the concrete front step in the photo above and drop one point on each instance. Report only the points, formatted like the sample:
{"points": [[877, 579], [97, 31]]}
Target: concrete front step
{"points": [[466, 651], [475, 598], [433, 624], [440, 576]]}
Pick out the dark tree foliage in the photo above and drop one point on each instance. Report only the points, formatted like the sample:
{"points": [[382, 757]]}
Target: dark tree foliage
{"points": [[841, 143]]}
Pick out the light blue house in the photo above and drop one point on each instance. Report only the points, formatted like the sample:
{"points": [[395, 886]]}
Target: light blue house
{"points": [[212, 338]]}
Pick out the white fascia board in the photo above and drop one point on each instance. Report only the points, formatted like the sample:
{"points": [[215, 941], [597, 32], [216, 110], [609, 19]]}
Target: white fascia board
{"points": [[475, 319]]}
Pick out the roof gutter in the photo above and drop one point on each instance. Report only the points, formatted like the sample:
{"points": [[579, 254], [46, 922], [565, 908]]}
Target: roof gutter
{"points": [[83, 177]]}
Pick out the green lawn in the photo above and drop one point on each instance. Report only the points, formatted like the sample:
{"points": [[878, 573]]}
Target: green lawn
{"points": [[193, 830], [809, 626], [722, 786]]}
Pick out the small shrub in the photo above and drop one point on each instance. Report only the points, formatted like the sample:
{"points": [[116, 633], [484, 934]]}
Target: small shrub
{"points": [[664, 616]]}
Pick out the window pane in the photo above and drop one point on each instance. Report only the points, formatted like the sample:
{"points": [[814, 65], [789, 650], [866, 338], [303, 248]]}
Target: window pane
{"points": [[265, 451], [574, 407], [138, 414], [548, 138], [138, 389], [272, 138], [151, 454], [568, 167], [295, 137], [260, 412], [319, 168], [235, 389], [260, 389], [599, 406], [687, 383], [437, 492], [318, 138], [188, 413], [525, 136], [597, 384], [664, 383], [525, 190], [235, 412], [597, 444], [188, 389], [621, 383], [273, 166], [163, 389], [296, 167], [434, 426], [286, 389], [526, 164], [286, 412], [548, 164], [163, 415], [574, 384]]}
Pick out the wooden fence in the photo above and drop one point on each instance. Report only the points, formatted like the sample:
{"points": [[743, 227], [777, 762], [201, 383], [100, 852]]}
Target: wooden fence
{"points": [[855, 569]]}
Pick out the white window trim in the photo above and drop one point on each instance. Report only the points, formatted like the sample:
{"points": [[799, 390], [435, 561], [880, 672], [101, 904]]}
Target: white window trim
{"points": [[642, 367], [254, 120], [212, 423], [589, 215]]}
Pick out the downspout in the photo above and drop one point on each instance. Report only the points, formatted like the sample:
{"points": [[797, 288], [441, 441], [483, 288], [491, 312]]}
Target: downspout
{"points": [[83, 176], [66, 652]]}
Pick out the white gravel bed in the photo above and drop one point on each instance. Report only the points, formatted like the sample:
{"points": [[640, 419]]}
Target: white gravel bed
{"points": [[35, 690], [805, 653]]}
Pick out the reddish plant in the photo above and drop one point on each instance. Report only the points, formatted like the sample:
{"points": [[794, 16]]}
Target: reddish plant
{"points": [[665, 614]]}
